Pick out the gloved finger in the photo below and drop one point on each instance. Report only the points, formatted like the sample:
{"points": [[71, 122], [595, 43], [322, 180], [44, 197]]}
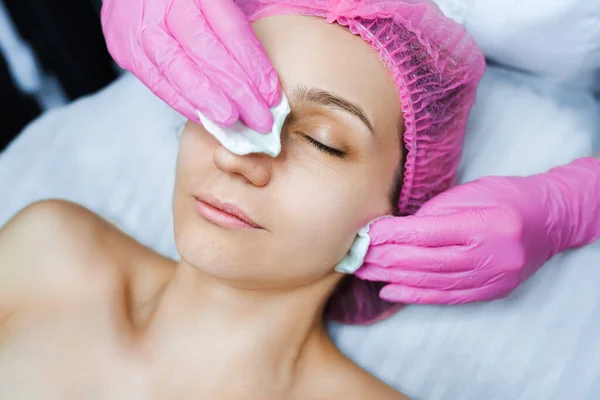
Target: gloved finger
{"points": [[189, 28], [160, 86], [164, 90], [423, 259], [185, 76], [429, 230], [231, 25], [432, 280], [396, 293]]}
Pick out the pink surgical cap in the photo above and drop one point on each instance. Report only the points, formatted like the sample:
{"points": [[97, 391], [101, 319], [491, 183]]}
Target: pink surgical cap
{"points": [[436, 66]]}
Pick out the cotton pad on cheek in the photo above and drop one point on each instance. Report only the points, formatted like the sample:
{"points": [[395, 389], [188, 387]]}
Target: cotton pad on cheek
{"points": [[356, 255], [242, 140]]}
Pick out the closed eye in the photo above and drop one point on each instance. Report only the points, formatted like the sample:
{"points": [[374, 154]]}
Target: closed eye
{"points": [[325, 149]]}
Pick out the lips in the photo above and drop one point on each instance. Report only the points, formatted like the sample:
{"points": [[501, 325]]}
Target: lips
{"points": [[224, 214]]}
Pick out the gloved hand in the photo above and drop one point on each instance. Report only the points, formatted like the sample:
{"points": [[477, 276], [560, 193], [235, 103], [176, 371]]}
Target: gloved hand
{"points": [[195, 55], [480, 240]]}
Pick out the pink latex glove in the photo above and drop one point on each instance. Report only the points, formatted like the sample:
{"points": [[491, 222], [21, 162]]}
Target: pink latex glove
{"points": [[480, 240], [195, 55]]}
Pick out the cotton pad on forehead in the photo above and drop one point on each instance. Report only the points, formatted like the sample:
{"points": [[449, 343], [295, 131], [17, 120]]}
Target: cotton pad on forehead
{"points": [[242, 140]]}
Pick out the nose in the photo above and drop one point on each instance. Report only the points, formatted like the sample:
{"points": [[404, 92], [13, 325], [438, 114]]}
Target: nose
{"points": [[255, 168]]}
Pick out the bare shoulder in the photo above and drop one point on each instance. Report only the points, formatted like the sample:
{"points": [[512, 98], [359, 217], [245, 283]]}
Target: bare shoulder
{"points": [[57, 248], [366, 386], [42, 249], [339, 377], [49, 227]]}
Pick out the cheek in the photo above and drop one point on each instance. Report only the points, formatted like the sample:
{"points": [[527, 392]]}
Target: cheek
{"points": [[194, 159], [194, 162], [318, 217], [318, 194]]}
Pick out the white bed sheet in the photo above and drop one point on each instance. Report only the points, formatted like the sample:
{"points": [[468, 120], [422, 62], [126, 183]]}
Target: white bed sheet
{"points": [[556, 38], [115, 152]]}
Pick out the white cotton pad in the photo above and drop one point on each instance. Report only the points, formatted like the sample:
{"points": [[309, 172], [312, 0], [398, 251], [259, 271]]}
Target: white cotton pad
{"points": [[355, 257], [241, 140], [353, 260]]}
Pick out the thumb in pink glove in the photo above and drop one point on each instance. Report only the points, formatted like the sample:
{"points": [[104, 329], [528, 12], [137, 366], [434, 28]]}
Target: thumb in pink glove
{"points": [[480, 240], [196, 56]]}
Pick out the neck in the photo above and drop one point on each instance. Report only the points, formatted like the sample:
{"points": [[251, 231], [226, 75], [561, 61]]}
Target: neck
{"points": [[265, 339]]}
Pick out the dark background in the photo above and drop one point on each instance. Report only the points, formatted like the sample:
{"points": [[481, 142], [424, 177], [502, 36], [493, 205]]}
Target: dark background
{"points": [[66, 36]]}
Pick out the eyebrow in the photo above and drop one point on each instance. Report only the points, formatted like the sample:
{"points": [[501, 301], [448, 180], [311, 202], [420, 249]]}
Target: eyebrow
{"points": [[329, 99]]}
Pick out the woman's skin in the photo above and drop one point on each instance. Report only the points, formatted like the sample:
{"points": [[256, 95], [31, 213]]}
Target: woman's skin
{"points": [[86, 312]]}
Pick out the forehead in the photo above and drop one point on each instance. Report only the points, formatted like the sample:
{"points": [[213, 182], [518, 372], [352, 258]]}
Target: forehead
{"points": [[307, 51]]}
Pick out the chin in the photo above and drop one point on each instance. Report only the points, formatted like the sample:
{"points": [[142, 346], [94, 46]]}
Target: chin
{"points": [[241, 268], [217, 252]]}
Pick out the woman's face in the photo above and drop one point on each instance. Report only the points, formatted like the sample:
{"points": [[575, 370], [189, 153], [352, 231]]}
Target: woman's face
{"points": [[334, 173]]}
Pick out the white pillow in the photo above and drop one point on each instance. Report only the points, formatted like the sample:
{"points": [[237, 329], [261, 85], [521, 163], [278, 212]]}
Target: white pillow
{"points": [[113, 152], [557, 38], [521, 125]]}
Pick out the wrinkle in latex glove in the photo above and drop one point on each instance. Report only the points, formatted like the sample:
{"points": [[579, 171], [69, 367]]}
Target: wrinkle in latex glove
{"points": [[240, 139]]}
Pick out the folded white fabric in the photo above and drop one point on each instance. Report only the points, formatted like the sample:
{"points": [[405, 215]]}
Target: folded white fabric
{"points": [[556, 38]]}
